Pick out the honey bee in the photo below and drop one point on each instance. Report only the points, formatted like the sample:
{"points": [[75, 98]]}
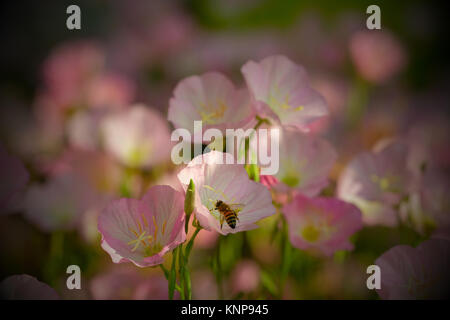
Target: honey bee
{"points": [[227, 213]]}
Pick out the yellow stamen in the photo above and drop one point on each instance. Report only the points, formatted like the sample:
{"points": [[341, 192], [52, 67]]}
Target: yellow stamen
{"points": [[140, 239], [156, 227], [134, 231], [144, 219], [164, 227]]}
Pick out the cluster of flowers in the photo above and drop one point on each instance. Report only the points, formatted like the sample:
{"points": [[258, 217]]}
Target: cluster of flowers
{"points": [[142, 231], [399, 182]]}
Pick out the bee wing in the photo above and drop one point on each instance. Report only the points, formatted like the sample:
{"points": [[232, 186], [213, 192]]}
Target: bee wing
{"points": [[238, 206]]}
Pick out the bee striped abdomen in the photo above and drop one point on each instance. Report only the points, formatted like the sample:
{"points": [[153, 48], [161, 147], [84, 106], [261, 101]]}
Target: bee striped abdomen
{"points": [[230, 218], [227, 214]]}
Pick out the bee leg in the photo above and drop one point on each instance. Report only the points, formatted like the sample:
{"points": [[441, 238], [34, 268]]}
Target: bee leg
{"points": [[221, 221]]}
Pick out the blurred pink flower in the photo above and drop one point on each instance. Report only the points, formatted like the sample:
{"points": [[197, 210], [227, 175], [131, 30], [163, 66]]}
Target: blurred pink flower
{"points": [[377, 55], [205, 287], [170, 179], [137, 137], [110, 91], [376, 182], [14, 178], [305, 162], [143, 231], [442, 233], [25, 287], [281, 92], [75, 76], [82, 129], [170, 34], [211, 98], [415, 273], [336, 92], [428, 141], [59, 203], [245, 277], [323, 224], [75, 82], [268, 181], [229, 183], [206, 239], [96, 169], [435, 196], [68, 68], [123, 282], [429, 205]]}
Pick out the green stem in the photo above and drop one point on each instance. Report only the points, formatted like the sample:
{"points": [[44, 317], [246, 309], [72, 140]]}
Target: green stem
{"points": [[191, 244], [55, 257], [184, 275], [173, 274], [286, 257], [165, 271], [219, 270], [181, 272]]}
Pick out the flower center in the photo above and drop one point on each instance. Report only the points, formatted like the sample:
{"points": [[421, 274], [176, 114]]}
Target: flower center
{"points": [[150, 243], [386, 184], [291, 180], [310, 233], [211, 113], [284, 104]]}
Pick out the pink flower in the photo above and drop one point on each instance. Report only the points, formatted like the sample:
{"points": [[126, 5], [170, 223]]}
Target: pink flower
{"points": [[305, 162], [281, 92], [69, 68], [143, 231], [59, 203], [205, 287], [109, 91], [137, 137], [123, 282], [96, 169], [75, 84], [25, 287], [376, 182], [428, 141], [268, 181], [429, 205], [442, 233], [323, 224], [14, 178], [206, 239], [228, 183], [82, 129], [416, 273], [211, 98], [377, 55], [245, 277]]}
